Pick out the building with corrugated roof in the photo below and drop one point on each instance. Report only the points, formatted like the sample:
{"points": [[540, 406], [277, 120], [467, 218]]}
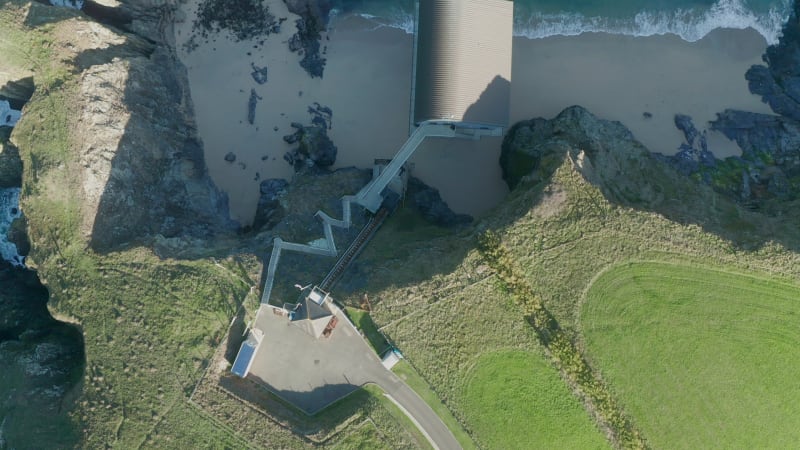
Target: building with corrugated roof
{"points": [[462, 61]]}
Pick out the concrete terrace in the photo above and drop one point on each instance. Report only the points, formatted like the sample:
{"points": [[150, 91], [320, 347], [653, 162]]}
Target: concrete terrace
{"points": [[307, 372]]}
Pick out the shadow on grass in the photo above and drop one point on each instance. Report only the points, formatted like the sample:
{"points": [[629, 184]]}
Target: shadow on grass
{"points": [[347, 401], [363, 321]]}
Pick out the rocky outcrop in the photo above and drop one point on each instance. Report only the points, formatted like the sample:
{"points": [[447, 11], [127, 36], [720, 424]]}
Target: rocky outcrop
{"points": [[757, 134], [429, 203], [605, 152], [778, 83], [315, 151], [259, 74], [770, 163], [146, 148], [693, 155], [270, 211], [244, 19], [317, 11], [313, 21], [252, 102], [533, 149]]}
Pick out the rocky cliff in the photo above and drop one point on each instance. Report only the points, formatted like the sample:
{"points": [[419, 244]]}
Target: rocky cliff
{"points": [[766, 176], [143, 172]]}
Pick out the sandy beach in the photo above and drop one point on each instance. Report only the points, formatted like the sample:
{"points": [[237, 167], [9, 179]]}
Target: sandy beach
{"points": [[367, 84]]}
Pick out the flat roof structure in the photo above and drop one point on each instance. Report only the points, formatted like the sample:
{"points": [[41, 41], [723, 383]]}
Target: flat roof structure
{"points": [[307, 372], [462, 61], [244, 359]]}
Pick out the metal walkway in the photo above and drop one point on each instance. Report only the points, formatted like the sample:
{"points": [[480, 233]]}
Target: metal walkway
{"points": [[371, 198]]}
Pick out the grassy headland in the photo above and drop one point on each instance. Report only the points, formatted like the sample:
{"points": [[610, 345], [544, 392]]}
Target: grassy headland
{"points": [[703, 357]]}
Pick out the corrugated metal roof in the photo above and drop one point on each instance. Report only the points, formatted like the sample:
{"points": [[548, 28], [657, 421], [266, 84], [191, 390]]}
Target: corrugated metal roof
{"points": [[463, 61]]}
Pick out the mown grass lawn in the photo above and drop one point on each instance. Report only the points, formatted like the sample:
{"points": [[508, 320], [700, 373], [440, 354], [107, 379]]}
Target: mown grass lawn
{"points": [[516, 400], [700, 358]]}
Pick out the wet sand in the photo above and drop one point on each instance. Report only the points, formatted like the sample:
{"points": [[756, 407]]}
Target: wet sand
{"points": [[622, 77], [367, 83]]}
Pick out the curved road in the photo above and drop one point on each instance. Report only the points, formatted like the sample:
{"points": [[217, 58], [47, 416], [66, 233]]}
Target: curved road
{"points": [[417, 410], [363, 360]]}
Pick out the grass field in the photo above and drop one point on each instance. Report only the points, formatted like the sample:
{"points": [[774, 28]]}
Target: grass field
{"points": [[363, 321], [516, 400], [701, 358]]}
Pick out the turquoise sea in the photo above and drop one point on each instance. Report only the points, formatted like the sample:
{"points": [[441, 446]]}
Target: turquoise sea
{"points": [[689, 19]]}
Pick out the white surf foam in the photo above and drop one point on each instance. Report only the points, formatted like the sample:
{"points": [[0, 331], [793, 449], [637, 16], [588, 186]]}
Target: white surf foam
{"points": [[690, 25]]}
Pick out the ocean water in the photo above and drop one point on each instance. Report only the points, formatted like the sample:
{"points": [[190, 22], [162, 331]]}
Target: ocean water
{"points": [[9, 210], [689, 19]]}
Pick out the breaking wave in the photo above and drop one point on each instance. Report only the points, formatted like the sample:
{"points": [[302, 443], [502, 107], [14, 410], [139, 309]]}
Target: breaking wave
{"points": [[691, 24]]}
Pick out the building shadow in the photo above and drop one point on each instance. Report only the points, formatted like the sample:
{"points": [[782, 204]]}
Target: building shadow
{"points": [[493, 106], [151, 176], [321, 422]]}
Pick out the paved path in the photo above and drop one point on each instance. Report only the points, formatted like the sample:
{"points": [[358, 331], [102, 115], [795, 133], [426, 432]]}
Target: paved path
{"points": [[419, 412], [410, 403]]}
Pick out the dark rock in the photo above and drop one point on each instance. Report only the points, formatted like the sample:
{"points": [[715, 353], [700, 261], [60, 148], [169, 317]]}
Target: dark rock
{"points": [[693, 155], [17, 92], [18, 236], [269, 211], [685, 124], [533, 149], [315, 143], [779, 82], [321, 115], [272, 188], [317, 10], [259, 74], [41, 359], [230, 157], [313, 20], [429, 203], [251, 106], [647, 115], [315, 149], [745, 192], [244, 19], [10, 167], [759, 134]]}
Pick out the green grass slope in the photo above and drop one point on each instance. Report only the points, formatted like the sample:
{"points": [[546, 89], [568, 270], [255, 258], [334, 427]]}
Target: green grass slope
{"points": [[701, 358], [516, 400]]}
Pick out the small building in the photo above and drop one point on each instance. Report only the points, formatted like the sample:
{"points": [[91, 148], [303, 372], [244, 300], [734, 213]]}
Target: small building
{"points": [[462, 62], [312, 313], [390, 358], [244, 359]]}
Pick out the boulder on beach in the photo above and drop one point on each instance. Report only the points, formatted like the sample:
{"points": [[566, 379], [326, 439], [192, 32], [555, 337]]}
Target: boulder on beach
{"points": [[251, 106], [259, 74]]}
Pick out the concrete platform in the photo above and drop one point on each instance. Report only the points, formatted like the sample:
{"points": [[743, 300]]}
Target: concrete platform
{"points": [[312, 373]]}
